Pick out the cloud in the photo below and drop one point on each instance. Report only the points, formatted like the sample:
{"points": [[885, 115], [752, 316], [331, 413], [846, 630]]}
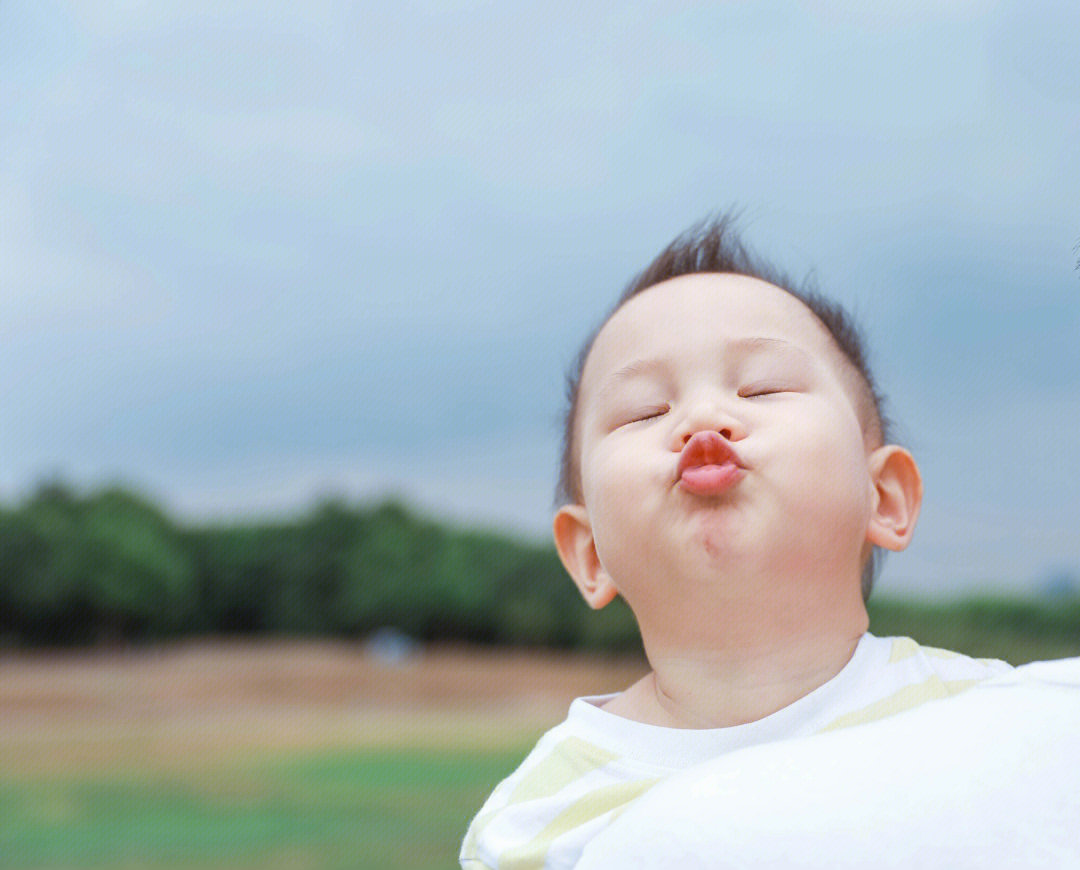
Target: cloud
{"points": [[251, 248]]}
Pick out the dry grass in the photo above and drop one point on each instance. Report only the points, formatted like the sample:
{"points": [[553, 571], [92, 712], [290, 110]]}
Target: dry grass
{"points": [[195, 706]]}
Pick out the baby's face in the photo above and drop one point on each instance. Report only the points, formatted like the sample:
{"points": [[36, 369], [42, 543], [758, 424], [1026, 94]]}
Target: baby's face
{"points": [[718, 433]]}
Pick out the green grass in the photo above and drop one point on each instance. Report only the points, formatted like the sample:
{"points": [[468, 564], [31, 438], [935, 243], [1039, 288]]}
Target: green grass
{"points": [[387, 810]]}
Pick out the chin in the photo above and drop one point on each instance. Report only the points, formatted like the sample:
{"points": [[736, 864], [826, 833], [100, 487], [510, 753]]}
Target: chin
{"points": [[716, 533], [715, 546]]}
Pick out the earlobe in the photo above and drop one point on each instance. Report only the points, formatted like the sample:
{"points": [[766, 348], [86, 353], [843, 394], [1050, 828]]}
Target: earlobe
{"points": [[577, 550], [896, 498]]}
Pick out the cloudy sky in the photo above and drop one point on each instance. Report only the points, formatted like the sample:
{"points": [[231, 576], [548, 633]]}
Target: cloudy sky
{"points": [[249, 258]]}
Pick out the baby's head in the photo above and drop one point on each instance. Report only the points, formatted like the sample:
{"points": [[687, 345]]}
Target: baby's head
{"points": [[722, 411]]}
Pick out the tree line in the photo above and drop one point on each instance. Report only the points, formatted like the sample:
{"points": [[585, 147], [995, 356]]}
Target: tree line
{"points": [[110, 566]]}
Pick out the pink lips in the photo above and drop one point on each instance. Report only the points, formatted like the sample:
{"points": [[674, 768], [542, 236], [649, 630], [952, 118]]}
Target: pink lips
{"points": [[708, 465]]}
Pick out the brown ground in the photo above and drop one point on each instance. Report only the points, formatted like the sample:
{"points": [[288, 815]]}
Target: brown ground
{"points": [[192, 704]]}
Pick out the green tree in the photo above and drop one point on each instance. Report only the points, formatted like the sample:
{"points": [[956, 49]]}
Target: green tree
{"points": [[132, 571]]}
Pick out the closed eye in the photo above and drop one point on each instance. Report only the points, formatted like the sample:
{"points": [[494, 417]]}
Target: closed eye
{"points": [[763, 390], [646, 414]]}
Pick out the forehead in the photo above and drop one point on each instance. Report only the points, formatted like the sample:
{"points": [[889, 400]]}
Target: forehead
{"points": [[695, 316]]}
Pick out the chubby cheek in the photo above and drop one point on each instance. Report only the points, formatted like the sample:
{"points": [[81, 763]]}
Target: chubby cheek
{"points": [[830, 487], [618, 493]]}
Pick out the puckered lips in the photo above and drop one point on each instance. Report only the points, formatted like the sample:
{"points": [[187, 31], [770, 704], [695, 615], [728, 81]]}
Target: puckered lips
{"points": [[708, 465]]}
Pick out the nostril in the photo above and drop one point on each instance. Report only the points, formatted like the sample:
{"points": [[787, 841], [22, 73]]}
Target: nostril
{"points": [[727, 433]]}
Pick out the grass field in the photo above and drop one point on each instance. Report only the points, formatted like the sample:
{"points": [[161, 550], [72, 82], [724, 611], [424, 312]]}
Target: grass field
{"points": [[284, 755], [307, 754], [378, 809]]}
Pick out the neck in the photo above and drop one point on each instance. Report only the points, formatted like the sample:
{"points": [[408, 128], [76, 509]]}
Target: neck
{"points": [[733, 677]]}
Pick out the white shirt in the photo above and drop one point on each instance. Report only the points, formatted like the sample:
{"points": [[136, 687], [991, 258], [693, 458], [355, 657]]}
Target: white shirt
{"points": [[588, 770], [988, 779]]}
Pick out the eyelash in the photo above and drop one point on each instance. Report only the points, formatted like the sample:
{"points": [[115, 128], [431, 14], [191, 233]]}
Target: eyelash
{"points": [[649, 415], [754, 392], [745, 393]]}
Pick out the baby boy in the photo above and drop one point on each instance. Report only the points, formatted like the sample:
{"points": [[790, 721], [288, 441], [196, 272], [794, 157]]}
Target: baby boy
{"points": [[727, 471]]}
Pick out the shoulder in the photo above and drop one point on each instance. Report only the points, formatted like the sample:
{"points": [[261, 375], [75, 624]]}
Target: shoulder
{"points": [[915, 662], [569, 787], [903, 649], [898, 674], [984, 779]]}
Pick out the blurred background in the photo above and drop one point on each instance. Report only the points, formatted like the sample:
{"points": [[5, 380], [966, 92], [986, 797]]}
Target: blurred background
{"points": [[287, 296]]}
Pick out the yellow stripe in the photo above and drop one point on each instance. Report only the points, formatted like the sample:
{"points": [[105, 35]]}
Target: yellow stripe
{"points": [[905, 648], [907, 698], [532, 855], [468, 848], [483, 817], [936, 653], [902, 648], [570, 759]]}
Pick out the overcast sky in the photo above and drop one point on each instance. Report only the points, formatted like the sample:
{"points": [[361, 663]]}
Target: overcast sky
{"points": [[253, 257]]}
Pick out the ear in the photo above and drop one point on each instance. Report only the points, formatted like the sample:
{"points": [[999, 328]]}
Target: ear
{"points": [[577, 549], [896, 498]]}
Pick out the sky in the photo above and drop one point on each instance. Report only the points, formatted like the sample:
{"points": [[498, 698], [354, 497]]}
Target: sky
{"points": [[258, 256]]}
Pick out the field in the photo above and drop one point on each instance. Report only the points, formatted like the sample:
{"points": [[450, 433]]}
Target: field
{"points": [[269, 755], [318, 754]]}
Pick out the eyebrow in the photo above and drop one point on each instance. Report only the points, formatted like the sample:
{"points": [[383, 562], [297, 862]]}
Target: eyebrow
{"points": [[631, 370], [741, 347]]}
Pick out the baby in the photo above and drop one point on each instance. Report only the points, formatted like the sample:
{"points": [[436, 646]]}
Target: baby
{"points": [[727, 470]]}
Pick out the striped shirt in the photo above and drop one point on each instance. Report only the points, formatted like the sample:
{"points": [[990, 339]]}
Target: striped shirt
{"points": [[584, 772]]}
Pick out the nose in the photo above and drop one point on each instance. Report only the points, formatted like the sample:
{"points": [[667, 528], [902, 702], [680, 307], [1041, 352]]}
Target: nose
{"points": [[708, 415]]}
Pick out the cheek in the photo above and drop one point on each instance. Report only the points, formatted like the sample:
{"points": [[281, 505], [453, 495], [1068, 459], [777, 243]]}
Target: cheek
{"points": [[608, 469], [830, 471], [607, 489], [616, 490]]}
